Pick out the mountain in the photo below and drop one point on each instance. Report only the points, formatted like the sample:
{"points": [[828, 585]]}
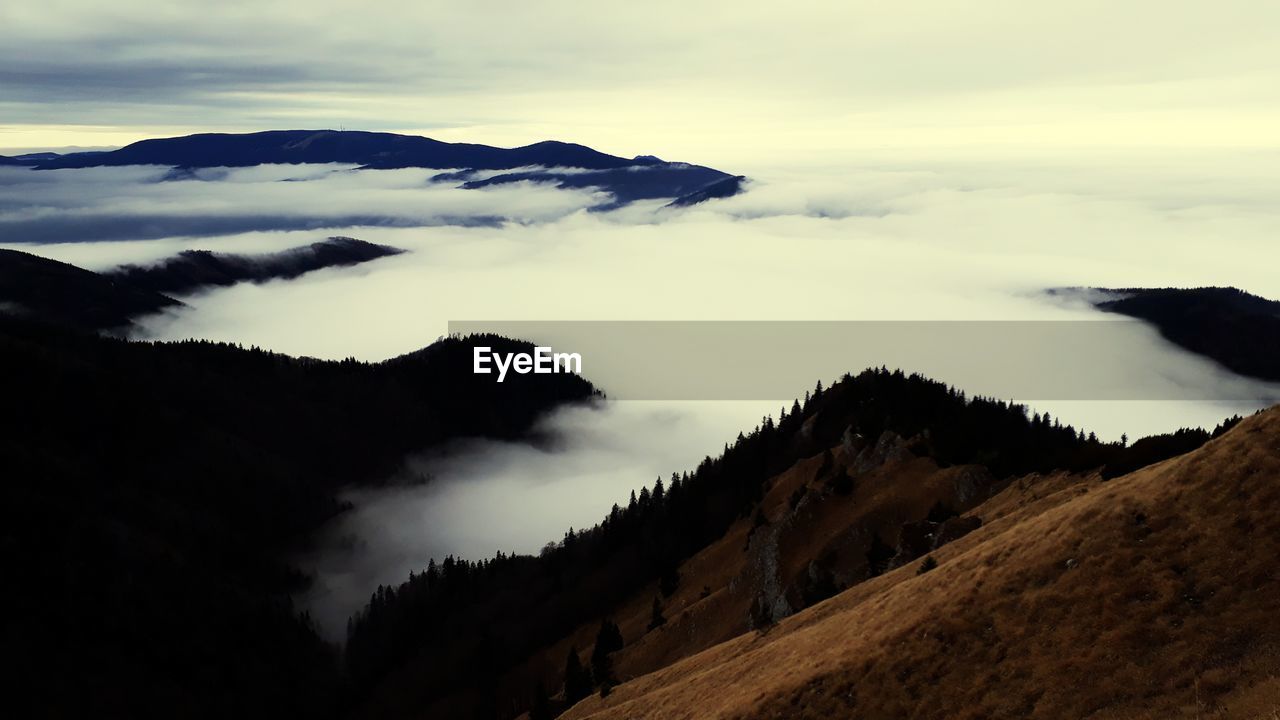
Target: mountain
{"points": [[1238, 330], [630, 179], [627, 184], [193, 270], [373, 149], [1150, 596], [38, 157], [155, 491], [40, 289], [6, 160], [723, 188], [873, 474]]}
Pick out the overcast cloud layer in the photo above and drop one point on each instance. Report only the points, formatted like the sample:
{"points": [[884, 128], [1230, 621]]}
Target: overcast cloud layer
{"points": [[711, 81]]}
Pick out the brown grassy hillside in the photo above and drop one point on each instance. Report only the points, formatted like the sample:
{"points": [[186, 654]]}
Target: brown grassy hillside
{"points": [[1153, 595], [763, 569]]}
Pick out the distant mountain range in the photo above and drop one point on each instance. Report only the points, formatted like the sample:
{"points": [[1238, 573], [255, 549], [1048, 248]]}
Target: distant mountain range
{"points": [[32, 159], [39, 289], [566, 164]]}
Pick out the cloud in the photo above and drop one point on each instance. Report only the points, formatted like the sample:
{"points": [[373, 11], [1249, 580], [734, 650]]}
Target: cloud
{"points": [[483, 496], [902, 239], [709, 81], [956, 242], [143, 203]]}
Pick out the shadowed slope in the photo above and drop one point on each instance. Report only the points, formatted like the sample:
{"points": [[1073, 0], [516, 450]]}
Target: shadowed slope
{"points": [[50, 291]]}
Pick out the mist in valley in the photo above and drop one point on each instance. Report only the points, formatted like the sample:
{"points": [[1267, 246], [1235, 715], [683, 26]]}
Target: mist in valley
{"points": [[480, 497], [891, 240]]}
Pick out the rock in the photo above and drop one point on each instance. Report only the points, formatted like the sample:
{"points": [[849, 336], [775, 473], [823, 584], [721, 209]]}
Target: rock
{"points": [[954, 529], [889, 448]]}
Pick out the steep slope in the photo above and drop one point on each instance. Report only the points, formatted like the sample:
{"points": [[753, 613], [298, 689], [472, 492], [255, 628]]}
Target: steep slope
{"points": [[866, 476], [1152, 595]]}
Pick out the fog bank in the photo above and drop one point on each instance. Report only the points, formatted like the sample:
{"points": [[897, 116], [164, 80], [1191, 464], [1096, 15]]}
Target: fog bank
{"points": [[481, 497]]}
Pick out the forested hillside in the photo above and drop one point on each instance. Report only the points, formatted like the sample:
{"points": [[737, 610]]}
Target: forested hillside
{"points": [[457, 639], [153, 491]]}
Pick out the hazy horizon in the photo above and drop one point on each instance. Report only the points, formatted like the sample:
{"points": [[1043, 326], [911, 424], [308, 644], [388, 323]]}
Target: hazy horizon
{"points": [[712, 82]]}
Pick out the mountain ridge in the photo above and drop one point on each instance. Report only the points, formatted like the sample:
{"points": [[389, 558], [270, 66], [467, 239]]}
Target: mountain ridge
{"points": [[565, 164], [1147, 596], [193, 270], [46, 290], [163, 488], [380, 150], [1236, 329], [866, 476]]}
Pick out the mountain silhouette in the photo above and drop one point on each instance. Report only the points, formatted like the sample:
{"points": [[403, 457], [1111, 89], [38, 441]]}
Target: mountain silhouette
{"points": [[629, 179], [38, 289], [193, 270], [723, 188], [1225, 324]]}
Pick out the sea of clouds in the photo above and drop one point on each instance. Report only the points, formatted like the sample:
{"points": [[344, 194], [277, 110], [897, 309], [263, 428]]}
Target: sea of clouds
{"points": [[890, 240]]}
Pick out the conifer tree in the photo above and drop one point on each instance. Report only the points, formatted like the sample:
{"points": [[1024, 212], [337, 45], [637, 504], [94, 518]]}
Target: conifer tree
{"points": [[608, 641], [656, 620], [577, 681], [541, 708]]}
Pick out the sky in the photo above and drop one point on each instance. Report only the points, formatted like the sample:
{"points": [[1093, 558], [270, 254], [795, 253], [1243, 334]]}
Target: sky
{"points": [[710, 81]]}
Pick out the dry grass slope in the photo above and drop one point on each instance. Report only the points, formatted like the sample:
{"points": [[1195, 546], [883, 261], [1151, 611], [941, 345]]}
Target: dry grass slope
{"points": [[1154, 595]]}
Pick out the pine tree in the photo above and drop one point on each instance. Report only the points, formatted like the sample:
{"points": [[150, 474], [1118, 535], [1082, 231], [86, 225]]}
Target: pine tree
{"points": [[577, 681], [669, 579], [879, 555], [541, 708], [656, 619], [608, 641]]}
